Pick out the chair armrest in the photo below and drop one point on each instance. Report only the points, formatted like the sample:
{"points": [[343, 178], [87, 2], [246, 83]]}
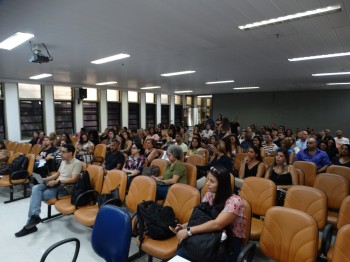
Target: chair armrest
{"points": [[76, 252], [326, 239], [94, 192], [113, 201], [246, 253], [23, 174]]}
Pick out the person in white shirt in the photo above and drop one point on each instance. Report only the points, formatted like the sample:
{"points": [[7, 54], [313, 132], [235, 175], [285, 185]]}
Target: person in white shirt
{"points": [[207, 132], [179, 142], [302, 142], [339, 139]]}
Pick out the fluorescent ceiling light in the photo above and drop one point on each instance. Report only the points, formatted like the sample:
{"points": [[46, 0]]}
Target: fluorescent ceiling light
{"points": [[281, 19], [15, 40], [335, 84], [332, 74], [110, 59], [318, 57], [205, 96], [150, 87], [185, 91], [106, 83], [219, 82], [247, 87], [40, 76], [179, 73]]}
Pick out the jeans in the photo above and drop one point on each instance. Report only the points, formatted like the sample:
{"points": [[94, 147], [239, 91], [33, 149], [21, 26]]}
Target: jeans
{"points": [[162, 191], [40, 193]]}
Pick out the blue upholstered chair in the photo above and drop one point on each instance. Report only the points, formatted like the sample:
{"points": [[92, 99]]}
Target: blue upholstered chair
{"points": [[111, 234]]}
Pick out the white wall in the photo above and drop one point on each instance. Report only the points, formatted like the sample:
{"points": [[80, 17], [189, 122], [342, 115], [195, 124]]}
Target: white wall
{"points": [[49, 109], [12, 114]]}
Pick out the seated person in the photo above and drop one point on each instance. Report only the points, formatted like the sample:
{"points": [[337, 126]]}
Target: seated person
{"points": [[281, 172], [195, 147], [314, 155], [231, 218], [4, 155], [110, 137], [48, 149], [68, 173], [269, 146], [344, 158], [134, 164], [114, 158], [174, 173], [85, 149], [126, 143], [252, 164], [151, 151]]}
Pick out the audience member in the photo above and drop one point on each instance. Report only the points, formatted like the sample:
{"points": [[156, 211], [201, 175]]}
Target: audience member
{"points": [[104, 135], [85, 149], [135, 163], [340, 139], [4, 155], [269, 146], [314, 155], [64, 137], [344, 157], [257, 141], [179, 142], [301, 143], [235, 146], [252, 164], [41, 137], [126, 143], [68, 173], [93, 137], [210, 121], [111, 136], [281, 172], [195, 147], [174, 173], [152, 134], [207, 132], [34, 139], [151, 152], [134, 136], [114, 158], [247, 142]]}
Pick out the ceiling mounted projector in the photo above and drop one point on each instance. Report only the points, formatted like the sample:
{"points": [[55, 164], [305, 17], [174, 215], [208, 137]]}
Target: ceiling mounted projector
{"points": [[37, 56]]}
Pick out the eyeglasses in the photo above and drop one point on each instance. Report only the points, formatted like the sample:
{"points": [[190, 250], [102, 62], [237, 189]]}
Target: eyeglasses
{"points": [[214, 170]]}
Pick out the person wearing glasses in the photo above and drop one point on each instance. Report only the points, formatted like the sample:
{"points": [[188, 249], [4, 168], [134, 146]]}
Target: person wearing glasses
{"points": [[174, 173], [135, 163], [67, 174], [231, 218]]}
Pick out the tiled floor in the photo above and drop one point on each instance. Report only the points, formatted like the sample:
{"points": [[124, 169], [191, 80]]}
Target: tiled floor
{"points": [[30, 248]]}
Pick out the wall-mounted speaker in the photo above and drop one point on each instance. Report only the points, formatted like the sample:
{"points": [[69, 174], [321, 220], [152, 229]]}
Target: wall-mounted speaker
{"points": [[82, 93]]}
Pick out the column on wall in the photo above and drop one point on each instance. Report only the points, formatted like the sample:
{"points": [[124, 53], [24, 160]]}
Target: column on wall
{"points": [[125, 108], [103, 110], [172, 109], [12, 114], [78, 109], [158, 110], [49, 110], [143, 110]]}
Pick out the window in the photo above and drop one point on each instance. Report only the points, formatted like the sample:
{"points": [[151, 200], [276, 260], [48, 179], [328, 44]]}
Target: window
{"points": [[64, 117], [164, 99], [189, 101], [62, 93], [208, 102], [199, 102], [113, 95], [31, 109], [91, 94], [150, 98], [133, 96], [31, 113], [178, 100], [178, 115], [113, 114], [134, 113], [91, 113], [165, 115], [26, 91], [150, 115]]}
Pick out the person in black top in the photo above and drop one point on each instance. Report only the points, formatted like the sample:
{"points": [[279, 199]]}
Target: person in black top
{"points": [[114, 158]]}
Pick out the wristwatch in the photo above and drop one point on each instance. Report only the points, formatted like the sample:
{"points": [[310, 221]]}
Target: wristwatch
{"points": [[189, 233]]}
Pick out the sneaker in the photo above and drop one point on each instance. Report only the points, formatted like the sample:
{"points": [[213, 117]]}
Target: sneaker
{"points": [[23, 232], [34, 220]]}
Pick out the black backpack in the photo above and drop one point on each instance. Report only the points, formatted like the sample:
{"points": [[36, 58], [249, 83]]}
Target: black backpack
{"points": [[20, 163], [82, 186], [154, 220]]}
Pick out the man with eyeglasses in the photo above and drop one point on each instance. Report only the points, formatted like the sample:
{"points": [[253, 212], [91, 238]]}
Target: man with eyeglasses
{"points": [[67, 174]]}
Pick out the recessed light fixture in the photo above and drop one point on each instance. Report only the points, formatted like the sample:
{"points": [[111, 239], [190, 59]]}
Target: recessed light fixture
{"points": [[179, 73], [185, 91], [336, 84], [15, 40], [40, 76], [106, 83], [247, 87], [332, 74], [150, 87], [318, 57], [282, 19], [110, 59], [219, 82], [205, 96]]}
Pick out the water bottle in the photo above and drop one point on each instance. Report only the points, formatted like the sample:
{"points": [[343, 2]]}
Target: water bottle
{"points": [[223, 236]]}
